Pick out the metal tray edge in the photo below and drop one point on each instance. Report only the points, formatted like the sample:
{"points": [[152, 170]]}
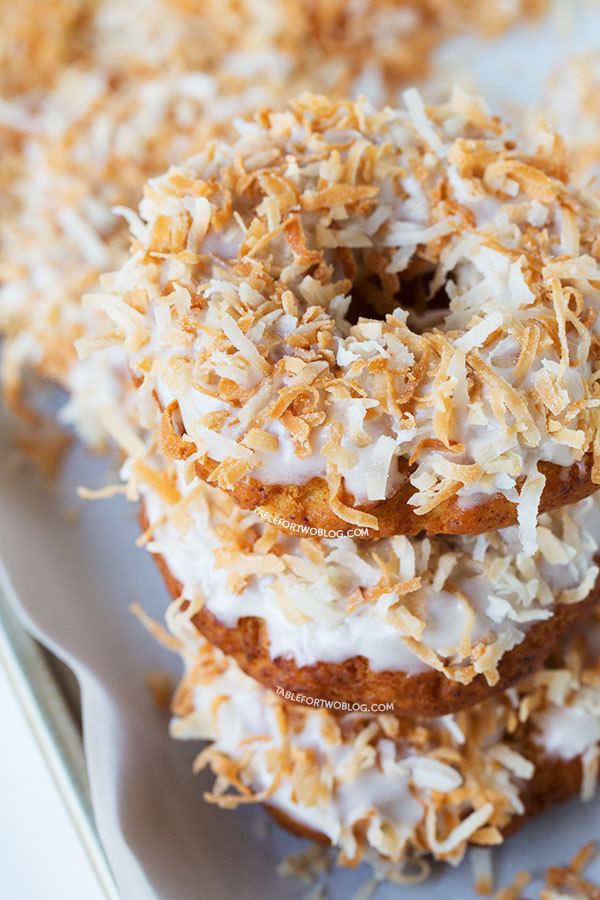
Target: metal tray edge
{"points": [[53, 723]]}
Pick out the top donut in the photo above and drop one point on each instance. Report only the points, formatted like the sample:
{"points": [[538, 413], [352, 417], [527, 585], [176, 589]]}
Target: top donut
{"points": [[373, 318]]}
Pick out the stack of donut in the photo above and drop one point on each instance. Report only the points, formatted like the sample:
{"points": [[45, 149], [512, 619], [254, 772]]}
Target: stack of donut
{"points": [[365, 345]]}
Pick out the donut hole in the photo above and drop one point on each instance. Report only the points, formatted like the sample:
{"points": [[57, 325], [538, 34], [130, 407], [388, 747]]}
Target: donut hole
{"points": [[426, 312], [375, 297]]}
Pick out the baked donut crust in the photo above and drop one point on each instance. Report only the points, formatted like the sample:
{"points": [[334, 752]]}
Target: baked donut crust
{"points": [[554, 781], [308, 505], [352, 681]]}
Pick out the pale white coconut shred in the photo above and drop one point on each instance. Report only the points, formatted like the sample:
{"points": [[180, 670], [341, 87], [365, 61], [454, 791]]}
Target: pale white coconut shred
{"points": [[331, 200], [377, 786], [454, 604]]}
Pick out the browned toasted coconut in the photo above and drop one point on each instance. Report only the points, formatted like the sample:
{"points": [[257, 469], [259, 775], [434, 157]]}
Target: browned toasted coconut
{"points": [[309, 504], [288, 403], [477, 776], [428, 694], [555, 780]]}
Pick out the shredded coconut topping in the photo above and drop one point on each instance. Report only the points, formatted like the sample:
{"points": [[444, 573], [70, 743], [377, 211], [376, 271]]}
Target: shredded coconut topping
{"points": [[455, 604], [328, 203], [395, 788]]}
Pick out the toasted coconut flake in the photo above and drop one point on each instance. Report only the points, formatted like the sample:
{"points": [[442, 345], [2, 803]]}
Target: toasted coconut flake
{"points": [[104, 493], [527, 510], [122, 432], [481, 864], [515, 890], [591, 766], [378, 471], [241, 342], [266, 324], [347, 513], [479, 333], [258, 439], [155, 629], [461, 833]]}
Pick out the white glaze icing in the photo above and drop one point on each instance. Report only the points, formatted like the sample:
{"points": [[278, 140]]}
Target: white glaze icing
{"points": [[566, 732], [247, 714], [508, 421], [397, 784], [502, 610]]}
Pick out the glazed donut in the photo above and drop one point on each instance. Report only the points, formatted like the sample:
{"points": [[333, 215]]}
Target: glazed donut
{"points": [[387, 787], [426, 626], [465, 401]]}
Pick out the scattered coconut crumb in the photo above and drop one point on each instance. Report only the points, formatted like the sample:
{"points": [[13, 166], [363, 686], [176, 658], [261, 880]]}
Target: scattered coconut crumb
{"points": [[483, 875], [568, 882], [514, 891], [307, 865], [561, 882], [162, 688], [45, 449]]}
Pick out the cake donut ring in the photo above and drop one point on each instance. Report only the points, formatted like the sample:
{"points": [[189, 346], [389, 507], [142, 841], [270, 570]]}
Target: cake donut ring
{"points": [[379, 318], [423, 626], [389, 788]]}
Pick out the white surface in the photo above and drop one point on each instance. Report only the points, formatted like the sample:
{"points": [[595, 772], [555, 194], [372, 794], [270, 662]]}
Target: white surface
{"points": [[41, 855]]}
